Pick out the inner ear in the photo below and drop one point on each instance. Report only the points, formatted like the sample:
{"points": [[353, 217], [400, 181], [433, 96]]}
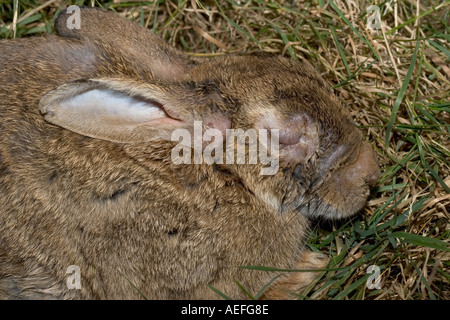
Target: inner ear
{"points": [[110, 110], [115, 107]]}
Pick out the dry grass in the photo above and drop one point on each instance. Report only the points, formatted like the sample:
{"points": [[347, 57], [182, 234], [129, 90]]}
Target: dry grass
{"points": [[395, 81]]}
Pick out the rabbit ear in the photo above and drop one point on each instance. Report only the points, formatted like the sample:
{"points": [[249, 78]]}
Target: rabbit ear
{"points": [[135, 42], [113, 110]]}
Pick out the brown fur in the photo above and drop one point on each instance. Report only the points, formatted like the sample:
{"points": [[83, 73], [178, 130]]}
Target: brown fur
{"points": [[123, 212]]}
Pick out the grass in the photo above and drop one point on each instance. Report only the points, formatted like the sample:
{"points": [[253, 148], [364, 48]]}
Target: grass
{"points": [[396, 83]]}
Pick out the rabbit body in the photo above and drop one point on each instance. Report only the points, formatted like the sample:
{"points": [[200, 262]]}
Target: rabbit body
{"points": [[109, 199]]}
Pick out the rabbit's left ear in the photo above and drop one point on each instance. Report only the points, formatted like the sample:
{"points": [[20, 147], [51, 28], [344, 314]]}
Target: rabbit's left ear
{"points": [[122, 110], [135, 43], [113, 110]]}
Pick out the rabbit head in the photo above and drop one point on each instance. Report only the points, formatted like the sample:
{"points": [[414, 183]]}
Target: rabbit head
{"points": [[325, 166], [88, 176]]}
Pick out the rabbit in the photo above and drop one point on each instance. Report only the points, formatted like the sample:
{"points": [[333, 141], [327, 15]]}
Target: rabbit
{"points": [[88, 181]]}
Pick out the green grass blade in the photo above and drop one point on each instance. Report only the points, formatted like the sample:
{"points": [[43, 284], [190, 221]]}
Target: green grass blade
{"points": [[248, 294], [224, 296], [429, 168], [261, 292], [438, 46], [344, 293], [354, 74], [134, 287], [418, 240], [400, 95], [341, 52]]}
